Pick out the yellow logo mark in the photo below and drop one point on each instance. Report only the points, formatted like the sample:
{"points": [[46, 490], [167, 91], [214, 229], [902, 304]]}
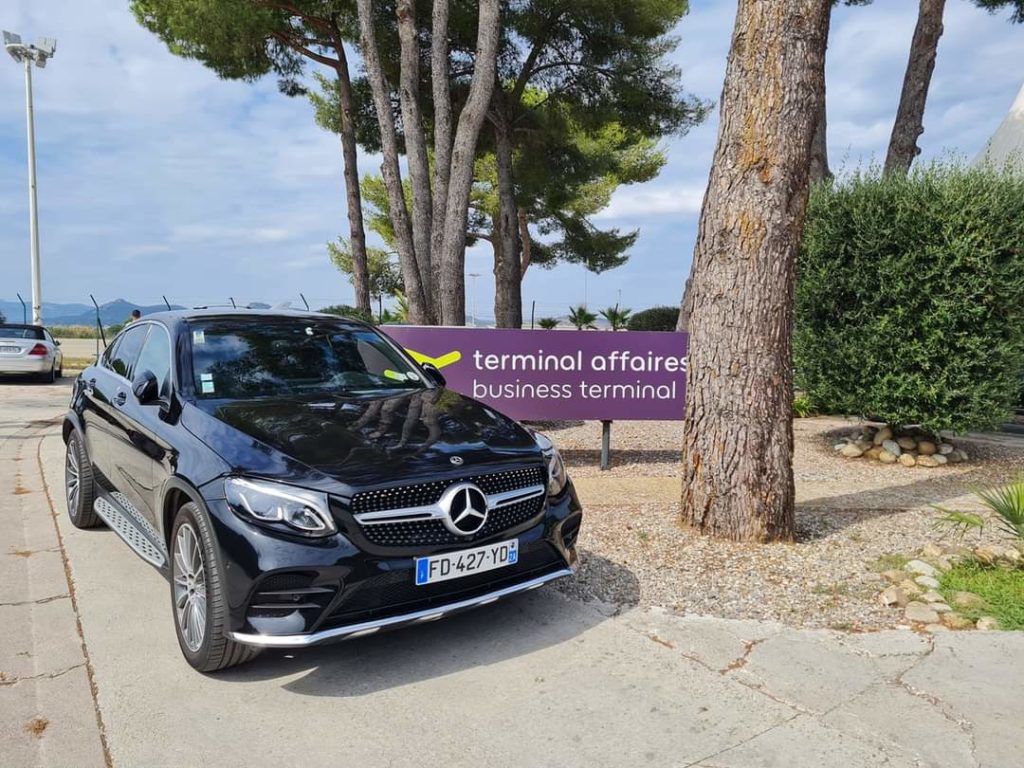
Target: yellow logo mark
{"points": [[438, 362]]}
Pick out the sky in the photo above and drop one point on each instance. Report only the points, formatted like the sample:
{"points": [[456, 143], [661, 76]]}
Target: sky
{"points": [[157, 178]]}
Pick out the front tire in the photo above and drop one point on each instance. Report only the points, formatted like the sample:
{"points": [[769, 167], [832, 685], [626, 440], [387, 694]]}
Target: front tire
{"points": [[79, 490], [198, 597]]}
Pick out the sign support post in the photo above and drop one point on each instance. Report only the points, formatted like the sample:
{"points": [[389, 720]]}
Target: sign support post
{"points": [[606, 442]]}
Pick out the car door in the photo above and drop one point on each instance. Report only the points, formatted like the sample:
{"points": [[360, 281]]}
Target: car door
{"points": [[140, 449], [107, 390]]}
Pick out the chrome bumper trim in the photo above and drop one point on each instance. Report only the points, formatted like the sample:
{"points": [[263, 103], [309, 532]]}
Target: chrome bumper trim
{"points": [[369, 627]]}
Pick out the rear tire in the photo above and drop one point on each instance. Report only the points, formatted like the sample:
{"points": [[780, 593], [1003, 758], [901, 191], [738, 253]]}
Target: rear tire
{"points": [[79, 488], [198, 595]]}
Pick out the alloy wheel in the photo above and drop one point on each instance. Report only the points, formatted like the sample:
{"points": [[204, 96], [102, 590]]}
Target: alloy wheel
{"points": [[72, 476], [190, 587]]}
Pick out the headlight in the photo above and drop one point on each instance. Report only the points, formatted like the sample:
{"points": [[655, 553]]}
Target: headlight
{"points": [[557, 477], [264, 502]]}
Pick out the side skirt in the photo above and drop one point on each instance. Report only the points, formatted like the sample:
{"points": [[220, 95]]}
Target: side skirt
{"points": [[127, 522]]}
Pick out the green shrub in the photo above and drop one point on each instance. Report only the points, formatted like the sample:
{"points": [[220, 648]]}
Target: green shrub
{"points": [[802, 407], [73, 331], [548, 323], [910, 297], [344, 310], [655, 319]]}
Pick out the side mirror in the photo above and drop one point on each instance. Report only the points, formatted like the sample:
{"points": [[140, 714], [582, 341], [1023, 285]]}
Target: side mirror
{"points": [[434, 374], [146, 388]]}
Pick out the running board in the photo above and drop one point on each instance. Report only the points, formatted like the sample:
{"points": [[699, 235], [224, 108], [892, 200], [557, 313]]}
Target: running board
{"points": [[126, 521]]}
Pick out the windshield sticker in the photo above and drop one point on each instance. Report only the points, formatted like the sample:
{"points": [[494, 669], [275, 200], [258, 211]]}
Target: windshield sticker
{"points": [[207, 387], [206, 377], [389, 374], [198, 337]]}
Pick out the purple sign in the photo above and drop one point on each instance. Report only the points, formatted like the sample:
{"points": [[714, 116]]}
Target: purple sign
{"points": [[558, 374]]}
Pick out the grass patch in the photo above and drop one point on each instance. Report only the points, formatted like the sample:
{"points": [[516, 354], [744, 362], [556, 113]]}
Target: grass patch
{"points": [[1001, 588], [889, 563], [78, 363]]}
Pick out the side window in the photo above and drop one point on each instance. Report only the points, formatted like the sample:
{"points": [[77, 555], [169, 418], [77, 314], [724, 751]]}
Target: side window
{"points": [[107, 361], [156, 357], [123, 357]]}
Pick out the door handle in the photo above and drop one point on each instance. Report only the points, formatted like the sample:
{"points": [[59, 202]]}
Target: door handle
{"points": [[120, 398]]}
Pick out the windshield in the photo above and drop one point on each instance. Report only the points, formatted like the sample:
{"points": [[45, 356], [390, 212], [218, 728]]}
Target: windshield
{"points": [[241, 359], [21, 332]]}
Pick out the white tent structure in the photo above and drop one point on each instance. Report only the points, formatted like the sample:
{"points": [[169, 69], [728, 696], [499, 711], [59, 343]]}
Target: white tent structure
{"points": [[1007, 143]]}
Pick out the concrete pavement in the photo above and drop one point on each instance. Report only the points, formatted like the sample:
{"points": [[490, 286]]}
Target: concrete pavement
{"points": [[535, 681]]}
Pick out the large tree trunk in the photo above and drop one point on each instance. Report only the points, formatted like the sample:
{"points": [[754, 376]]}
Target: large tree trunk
{"points": [[508, 299], [442, 131], [353, 197], [909, 123], [415, 143], [819, 170], [471, 119], [738, 433], [524, 239], [419, 308]]}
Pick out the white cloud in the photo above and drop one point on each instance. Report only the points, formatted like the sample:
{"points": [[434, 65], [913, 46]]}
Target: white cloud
{"points": [[641, 202]]}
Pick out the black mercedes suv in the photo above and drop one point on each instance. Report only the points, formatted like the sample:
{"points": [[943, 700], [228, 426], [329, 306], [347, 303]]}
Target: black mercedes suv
{"points": [[298, 478]]}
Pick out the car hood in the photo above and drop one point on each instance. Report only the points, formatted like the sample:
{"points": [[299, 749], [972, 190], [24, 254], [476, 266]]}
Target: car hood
{"points": [[365, 441]]}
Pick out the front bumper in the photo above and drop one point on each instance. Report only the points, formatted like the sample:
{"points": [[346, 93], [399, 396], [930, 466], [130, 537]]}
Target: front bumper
{"points": [[284, 592]]}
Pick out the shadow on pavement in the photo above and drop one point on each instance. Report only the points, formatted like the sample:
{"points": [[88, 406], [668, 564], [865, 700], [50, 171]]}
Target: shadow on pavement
{"points": [[502, 633]]}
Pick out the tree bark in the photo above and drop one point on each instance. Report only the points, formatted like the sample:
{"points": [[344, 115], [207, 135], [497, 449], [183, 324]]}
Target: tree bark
{"points": [[453, 249], [524, 239], [419, 310], [353, 197], [909, 124], [686, 305], [819, 149], [508, 299], [738, 431], [442, 130], [415, 143]]}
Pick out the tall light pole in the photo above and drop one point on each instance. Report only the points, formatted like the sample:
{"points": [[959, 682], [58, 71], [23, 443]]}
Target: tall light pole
{"points": [[474, 275], [28, 54]]}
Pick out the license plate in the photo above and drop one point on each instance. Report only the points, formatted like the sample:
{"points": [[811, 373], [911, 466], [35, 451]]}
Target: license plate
{"points": [[10, 350], [452, 565]]}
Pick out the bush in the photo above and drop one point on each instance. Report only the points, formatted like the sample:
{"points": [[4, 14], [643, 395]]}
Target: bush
{"points": [[655, 319], [344, 310], [74, 331], [910, 297]]}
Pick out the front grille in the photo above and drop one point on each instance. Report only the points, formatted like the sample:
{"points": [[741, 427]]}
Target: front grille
{"points": [[414, 533], [391, 593], [422, 494], [284, 593]]}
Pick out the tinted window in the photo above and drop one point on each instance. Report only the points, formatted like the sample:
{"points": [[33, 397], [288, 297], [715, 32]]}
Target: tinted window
{"points": [[156, 357], [21, 332], [127, 349], [241, 359]]}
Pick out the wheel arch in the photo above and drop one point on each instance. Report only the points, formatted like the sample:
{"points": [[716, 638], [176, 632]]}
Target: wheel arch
{"points": [[71, 423], [177, 493]]}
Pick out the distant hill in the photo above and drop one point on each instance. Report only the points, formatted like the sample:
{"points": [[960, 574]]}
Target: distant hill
{"points": [[116, 311]]}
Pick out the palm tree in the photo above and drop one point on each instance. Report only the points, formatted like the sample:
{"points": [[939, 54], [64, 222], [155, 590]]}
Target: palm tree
{"points": [[617, 318], [548, 323], [581, 317]]}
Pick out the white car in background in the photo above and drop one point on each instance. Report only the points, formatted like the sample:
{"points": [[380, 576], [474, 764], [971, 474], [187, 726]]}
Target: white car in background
{"points": [[30, 349]]}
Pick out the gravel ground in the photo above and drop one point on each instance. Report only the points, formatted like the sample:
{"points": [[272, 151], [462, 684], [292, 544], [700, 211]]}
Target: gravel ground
{"points": [[635, 550]]}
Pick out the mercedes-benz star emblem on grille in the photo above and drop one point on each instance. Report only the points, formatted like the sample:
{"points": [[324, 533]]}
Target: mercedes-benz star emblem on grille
{"points": [[465, 508], [456, 460]]}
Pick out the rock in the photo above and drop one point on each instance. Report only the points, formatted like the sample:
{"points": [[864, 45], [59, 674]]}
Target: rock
{"points": [[954, 457], [968, 601], [927, 461], [987, 623], [945, 449], [908, 460], [892, 447], [894, 576], [863, 444], [931, 596], [910, 589], [935, 628], [920, 613], [939, 459], [943, 563], [893, 596], [962, 454], [869, 431], [873, 453], [931, 549], [940, 608], [928, 582], [851, 451], [882, 435], [1012, 555], [907, 443], [926, 448], [887, 457], [954, 620], [921, 568], [988, 554], [838, 446]]}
